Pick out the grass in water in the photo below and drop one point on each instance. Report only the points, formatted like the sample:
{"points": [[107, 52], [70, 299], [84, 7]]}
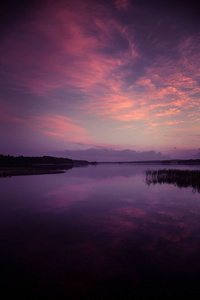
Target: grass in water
{"points": [[180, 178]]}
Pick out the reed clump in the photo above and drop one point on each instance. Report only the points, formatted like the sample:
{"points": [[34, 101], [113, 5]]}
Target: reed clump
{"points": [[180, 178]]}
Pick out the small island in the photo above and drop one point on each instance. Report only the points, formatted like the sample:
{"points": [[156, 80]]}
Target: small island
{"points": [[31, 165]]}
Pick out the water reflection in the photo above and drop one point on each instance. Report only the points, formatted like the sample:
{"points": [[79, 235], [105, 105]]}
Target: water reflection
{"points": [[98, 233]]}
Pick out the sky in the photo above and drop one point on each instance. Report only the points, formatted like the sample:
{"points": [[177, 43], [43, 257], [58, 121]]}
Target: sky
{"points": [[116, 79]]}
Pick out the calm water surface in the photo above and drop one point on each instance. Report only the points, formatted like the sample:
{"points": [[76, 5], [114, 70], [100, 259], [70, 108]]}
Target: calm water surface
{"points": [[98, 232]]}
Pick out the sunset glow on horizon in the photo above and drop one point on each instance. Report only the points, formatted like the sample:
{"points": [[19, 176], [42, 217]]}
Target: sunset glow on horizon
{"points": [[100, 75]]}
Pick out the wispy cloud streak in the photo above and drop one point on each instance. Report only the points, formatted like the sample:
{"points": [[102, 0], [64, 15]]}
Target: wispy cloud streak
{"points": [[60, 127]]}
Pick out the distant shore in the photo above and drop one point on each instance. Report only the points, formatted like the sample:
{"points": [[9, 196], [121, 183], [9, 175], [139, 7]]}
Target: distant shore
{"points": [[25, 165], [158, 162]]}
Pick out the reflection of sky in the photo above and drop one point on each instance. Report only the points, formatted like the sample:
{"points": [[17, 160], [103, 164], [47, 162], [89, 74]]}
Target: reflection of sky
{"points": [[60, 191], [74, 230]]}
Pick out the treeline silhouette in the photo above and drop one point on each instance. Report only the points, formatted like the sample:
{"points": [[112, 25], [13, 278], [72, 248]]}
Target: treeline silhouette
{"points": [[180, 178], [33, 161]]}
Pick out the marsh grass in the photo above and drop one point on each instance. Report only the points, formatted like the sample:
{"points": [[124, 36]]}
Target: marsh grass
{"points": [[180, 178]]}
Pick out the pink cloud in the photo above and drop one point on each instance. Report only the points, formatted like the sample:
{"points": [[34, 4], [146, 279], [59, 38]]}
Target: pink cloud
{"points": [[167, 123], [166, 85], [7, 114], [167, 90], [75, 48], [121, 4], [60, 127], [127, 127], [169, 112], [75, 54], [131, 116], [54, 134], [77, 60]]}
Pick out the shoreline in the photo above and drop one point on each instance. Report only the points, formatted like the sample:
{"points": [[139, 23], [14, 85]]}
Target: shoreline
{"points": [[9, 172]]}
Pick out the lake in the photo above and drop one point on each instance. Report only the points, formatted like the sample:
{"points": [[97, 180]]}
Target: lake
{"points": [[99, 232]]}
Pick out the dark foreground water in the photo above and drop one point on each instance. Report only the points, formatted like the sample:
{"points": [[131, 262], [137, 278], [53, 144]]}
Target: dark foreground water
{"points": [[98, 232]]}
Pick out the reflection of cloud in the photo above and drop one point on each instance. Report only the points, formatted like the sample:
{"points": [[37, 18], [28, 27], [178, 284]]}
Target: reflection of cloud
{"points": [[169, 225], [62, 199], [66, 196]]}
